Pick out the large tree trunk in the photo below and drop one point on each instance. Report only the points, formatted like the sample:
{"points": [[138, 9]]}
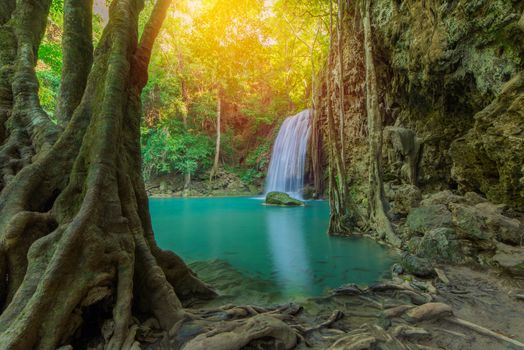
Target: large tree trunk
{"points": [[344, 213], [376, 203], [340, 75], [75, 230]]}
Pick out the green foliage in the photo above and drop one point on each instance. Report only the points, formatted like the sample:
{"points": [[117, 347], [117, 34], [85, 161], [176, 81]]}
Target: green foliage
{"points": [[51, 54], [256, 164], [254, 53], [170, 148], [48, 91]]}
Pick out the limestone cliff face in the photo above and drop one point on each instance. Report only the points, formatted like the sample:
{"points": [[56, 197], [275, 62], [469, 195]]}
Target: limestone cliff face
{"points": [[451, 81]]}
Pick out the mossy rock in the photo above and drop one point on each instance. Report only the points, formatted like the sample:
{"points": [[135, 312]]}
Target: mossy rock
{"points": [[425, 219], [440, 245], [420, 267], [282, 199]]}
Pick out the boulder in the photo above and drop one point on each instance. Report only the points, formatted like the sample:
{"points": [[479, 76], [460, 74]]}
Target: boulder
{"points": [[473, 198], [488, 159], [440, 245], [510, 259], [485, 222], [424, 219], [443, 197], [469, 223], [282, 199], [406, 197], [402, 151], [505, 229], [414, 265]]}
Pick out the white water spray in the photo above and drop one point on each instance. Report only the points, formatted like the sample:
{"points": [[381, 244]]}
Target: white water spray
{"points": [[288, 159]]}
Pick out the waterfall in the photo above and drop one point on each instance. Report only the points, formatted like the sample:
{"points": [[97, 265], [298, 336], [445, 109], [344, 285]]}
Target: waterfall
{"points": [[286, 169]]}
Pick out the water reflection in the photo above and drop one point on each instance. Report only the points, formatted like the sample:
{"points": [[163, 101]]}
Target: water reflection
{"points": [[285, 230]]}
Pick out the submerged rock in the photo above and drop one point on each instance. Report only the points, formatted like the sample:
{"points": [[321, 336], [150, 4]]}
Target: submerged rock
{"points": [[282, 199]]}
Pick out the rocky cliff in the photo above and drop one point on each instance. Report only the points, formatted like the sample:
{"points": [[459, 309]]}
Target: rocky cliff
{"points": [[451, 93]]}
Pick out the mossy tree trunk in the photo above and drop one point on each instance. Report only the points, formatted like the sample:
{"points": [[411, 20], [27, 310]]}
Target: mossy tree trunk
{"points": [[75, 230], [340, 80], [344, 213], [376, 204]]}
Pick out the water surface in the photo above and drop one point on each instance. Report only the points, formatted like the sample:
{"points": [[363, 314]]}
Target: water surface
{"points": [[288, 247]]}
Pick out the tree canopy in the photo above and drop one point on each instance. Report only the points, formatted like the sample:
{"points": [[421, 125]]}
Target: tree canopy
{"points": [[260, 55]]}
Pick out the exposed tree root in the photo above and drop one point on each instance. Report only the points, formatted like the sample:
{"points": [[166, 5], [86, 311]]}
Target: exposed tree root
{"points": [[512, 343], [75, 232], [234, 335]]}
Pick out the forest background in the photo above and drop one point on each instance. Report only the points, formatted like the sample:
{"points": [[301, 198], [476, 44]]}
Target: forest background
{"points": [[223, 77]]}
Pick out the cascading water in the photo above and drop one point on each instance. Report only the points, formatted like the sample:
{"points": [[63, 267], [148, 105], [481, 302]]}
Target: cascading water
{"points": [[286, 169]]}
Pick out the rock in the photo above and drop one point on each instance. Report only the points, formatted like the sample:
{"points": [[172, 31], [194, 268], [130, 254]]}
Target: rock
{"points": [[429, 311], [473, 198], [412, 244], [406, 197], [403, 152], [484, 222], [443, 197], [510, 259], [504, 229], [469, 222], [423, 219], [282, 199], [420, 267], [488, 159], [309, 192], [440, 245], [442, 276], [397, 269]]}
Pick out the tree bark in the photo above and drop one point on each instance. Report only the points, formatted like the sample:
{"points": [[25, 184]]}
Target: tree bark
{"points": [[77, 42], [376, 203], [214, 169], [344, 213], [75, 230], [341, 104]]}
